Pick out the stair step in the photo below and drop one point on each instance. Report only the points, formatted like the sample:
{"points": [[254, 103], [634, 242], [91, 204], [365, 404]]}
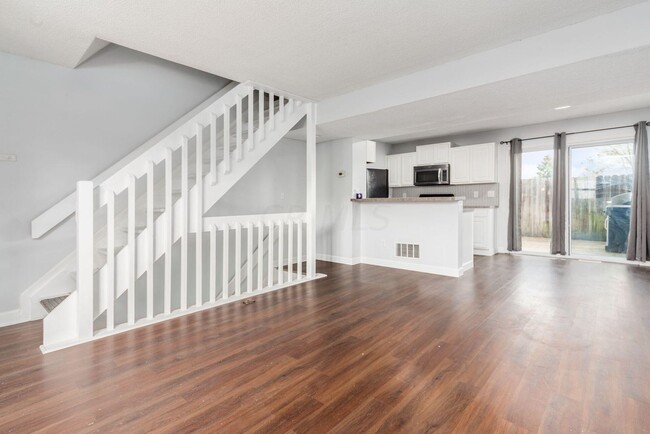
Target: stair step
{"points": [[138, 229], [104, 250], [49, 304], [73, 274]]}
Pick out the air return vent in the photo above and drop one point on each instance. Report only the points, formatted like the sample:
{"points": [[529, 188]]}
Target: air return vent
{"points": [[406, 250]]}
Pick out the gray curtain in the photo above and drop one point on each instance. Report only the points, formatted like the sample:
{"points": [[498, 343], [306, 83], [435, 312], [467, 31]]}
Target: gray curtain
{"points": [[514, 216], [558, 228], [638, 244]]}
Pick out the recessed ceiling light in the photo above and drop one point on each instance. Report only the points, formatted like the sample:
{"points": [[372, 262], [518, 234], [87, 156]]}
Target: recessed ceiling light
{"points": [[562, 107]]}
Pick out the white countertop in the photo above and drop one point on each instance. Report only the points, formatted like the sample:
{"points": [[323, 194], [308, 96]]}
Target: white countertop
{"points": [[409, 199]]}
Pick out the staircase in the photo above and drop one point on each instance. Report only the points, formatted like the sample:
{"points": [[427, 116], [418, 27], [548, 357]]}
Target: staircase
{"points": [[146, 251]]}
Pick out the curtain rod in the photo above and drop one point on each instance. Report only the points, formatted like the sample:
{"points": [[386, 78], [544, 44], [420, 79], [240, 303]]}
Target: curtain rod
{"points": [[575, 132]]}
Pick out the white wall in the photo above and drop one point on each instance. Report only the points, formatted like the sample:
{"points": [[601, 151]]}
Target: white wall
{"points": [[568, 125], [67, 125], [334, 217], [276, 184]]}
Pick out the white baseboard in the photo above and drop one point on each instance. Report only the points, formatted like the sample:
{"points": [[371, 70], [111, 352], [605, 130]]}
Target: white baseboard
{"points": [[466, 266], [337, 259], [11, 317], [444, 271]]}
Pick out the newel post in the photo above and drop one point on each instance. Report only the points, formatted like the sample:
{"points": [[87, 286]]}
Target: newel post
{"points": [[85, 254], [311, 190]]}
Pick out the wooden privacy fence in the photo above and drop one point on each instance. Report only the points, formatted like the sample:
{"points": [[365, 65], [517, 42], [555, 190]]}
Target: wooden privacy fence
{"points": [[589, 195]]}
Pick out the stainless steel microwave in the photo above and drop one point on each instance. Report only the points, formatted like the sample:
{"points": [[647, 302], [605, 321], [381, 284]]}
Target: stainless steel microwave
{"points": [[437, 174]]}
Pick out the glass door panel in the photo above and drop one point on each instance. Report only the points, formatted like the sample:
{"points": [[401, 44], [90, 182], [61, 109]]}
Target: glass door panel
{"points": [[536, 201], [600, 185]]}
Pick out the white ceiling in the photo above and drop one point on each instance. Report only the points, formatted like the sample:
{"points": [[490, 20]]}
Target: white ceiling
{"points": [[575, 52], [311, 48], [602, 85]]}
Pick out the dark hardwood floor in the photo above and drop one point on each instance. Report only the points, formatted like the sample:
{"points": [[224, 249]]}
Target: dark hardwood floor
{"points": [[519, 344]]}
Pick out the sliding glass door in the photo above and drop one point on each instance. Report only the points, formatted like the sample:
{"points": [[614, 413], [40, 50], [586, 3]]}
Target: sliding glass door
{"points": [[600, 184], [536, 200]]}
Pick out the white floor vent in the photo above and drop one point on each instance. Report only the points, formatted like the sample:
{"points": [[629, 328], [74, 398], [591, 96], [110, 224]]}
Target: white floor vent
{"points": [[406, 250]]}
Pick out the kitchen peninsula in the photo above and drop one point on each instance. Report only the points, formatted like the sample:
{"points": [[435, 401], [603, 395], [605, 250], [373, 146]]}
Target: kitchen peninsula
{"points": [[431, 235]]}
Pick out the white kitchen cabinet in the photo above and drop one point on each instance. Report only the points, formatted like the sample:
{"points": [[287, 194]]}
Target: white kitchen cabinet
{"points": [[483, 163], [437, 153], [484, 242], [371, 151], [459, 165], [407, 163], [394, 166], [475, 164]]}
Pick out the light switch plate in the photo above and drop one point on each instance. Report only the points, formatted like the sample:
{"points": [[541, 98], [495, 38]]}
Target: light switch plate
{"points": [[9, 157], [490, 193], [475, 194]]}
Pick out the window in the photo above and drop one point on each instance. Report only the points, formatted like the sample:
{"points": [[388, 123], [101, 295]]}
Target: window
{"points": [[536, 201], [600, 185]]}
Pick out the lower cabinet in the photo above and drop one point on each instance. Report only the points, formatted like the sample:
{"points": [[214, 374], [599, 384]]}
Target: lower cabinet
{"points": [[484, 243]]}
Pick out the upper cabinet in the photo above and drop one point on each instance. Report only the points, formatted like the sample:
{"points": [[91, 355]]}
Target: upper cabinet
{"points": [[371, 151], [474, 164], [437, 153], [394, 166], [459, 165], [400, 169], [483, 162], [408, 162]]}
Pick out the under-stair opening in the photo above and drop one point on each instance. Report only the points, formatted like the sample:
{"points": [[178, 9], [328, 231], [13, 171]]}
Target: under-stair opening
{"points": [[49, 304]]}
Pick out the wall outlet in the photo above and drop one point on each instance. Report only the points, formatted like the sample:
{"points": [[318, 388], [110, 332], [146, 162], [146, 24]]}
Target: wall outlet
{"points": [[12, 158], [490, 193], [341, 174], [475, 194]]}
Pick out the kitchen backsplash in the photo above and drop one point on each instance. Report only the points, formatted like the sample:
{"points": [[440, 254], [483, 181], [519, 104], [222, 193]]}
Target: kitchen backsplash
{"points": [[468, 190]]}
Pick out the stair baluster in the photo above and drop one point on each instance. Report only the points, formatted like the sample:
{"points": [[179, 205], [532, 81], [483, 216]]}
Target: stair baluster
{"points": [[225, 268], [169, 231], [238, 131], [213, 263], [150, 239], [249, 257], [184, 220], [251, 119], [110, 260], [213, 149], [132, 250], [198, 213]]}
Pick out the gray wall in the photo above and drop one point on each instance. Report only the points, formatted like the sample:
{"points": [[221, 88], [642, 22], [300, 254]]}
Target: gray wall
{"points": [[276, 184], [67, 125]]}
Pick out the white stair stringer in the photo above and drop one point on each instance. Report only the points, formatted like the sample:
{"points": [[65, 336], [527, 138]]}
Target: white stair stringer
{"points": [[59, 330]]}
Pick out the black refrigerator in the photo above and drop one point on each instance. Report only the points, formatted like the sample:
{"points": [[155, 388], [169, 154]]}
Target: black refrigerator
{"points": [[377, 183]]}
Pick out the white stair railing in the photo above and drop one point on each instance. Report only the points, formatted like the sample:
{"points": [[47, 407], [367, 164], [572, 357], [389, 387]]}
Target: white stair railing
{"points": [[181, 214]]}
